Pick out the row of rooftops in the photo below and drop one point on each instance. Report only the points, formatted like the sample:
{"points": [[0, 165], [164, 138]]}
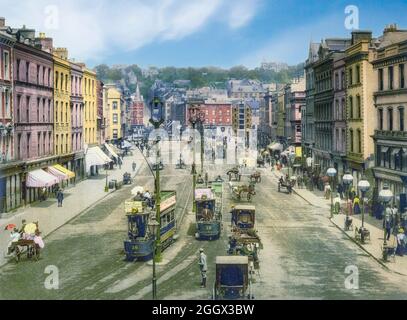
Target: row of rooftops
{"points": [[28, 37], [391, 35]]}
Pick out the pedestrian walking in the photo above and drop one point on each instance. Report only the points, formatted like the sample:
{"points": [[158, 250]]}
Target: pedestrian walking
{"points": [[387, 223], [60, 197], [401, 242], [134, 165], [340, 190], [356, 205], [202, 267]]}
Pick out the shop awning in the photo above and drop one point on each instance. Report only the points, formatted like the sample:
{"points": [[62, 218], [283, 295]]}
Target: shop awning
{"points": [[111, 151], [95, 157], [102, 155], [39, 178], [114, 148], [64, 170], [60, 175], [385, 149]]}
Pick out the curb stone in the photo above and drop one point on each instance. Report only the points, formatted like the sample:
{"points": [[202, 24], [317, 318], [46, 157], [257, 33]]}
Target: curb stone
{"points": [[365, 250]]}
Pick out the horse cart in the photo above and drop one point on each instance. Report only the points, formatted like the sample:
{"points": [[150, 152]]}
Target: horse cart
{"points": [[255, 177], [239, 191], [232, 279], [285, 184], [30, 247], [235, 173], [261, 163], [30, 243], [127, 178], [244, 239]]}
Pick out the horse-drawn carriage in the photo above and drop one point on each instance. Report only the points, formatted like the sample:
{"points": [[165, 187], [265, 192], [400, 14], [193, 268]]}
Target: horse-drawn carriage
{"points": [[244, 239], [239, 190], [232, 279], [261, 162], [235, 173], [255, 177], [127, 178], [287, 184], [30, 243], [208, 219]]}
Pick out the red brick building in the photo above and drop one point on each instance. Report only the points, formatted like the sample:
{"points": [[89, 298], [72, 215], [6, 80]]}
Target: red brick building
{"points": [[137, 113], [216, 114]]}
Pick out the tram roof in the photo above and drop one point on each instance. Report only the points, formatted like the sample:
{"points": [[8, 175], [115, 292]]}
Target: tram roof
{"points": [[245, 207], [232, 260]]}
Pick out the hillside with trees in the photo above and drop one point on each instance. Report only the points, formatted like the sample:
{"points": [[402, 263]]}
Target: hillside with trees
{"points": [[127, 76]]}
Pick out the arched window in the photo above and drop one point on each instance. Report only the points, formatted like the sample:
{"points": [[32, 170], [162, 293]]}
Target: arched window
{"points": [[390, 119], [401, 118], [56, 79], [351, 140], [359, 107], [359, 140], [350, 107]]}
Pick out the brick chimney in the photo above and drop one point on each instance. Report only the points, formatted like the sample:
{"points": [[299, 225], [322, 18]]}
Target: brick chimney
{"points": [[45, 42], [2, 22], [358, 36], [390, 28]]}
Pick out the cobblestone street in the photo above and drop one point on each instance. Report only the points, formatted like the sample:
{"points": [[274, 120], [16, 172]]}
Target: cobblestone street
{"points": [[304, 255]]}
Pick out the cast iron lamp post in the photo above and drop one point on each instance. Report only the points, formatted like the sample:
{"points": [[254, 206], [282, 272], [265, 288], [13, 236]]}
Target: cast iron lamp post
{"points": [[195, 116], [157, 120], [331, 172], [385, 196], [153, 228], [364, 187]]}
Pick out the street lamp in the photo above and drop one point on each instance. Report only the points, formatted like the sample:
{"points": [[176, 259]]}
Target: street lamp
{"points": [[363, 186], [195, 116], [157, 120], [347, 180], [385, 196], [331, 172], [153, 228]]}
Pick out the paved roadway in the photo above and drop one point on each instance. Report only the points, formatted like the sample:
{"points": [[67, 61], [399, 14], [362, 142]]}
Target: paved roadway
{"points": [[304, 256]]}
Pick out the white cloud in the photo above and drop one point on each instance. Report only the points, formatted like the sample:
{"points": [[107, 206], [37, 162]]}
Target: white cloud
{"points": [[93, 29], [241, 12]]}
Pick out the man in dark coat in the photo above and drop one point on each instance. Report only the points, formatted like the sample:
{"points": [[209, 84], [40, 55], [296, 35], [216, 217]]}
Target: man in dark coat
{"points": [[60, 197]]}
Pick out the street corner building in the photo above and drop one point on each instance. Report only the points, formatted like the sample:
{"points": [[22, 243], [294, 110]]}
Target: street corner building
{"points": [[49, 110]]}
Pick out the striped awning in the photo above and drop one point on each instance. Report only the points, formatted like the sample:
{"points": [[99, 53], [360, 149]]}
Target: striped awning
{"points": [[64, 170], [111, 151], [60, 175], [40, 178]]}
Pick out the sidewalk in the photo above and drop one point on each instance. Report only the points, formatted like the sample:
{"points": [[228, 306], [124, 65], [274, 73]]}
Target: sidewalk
{"points": [[76, 200], [372, 247]]}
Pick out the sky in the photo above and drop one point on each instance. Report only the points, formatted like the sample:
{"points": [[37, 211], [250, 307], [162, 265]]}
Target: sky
{"points": [[198, 33]]}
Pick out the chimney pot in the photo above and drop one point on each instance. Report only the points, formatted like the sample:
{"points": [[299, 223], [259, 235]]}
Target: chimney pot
{"points": [[2, 22]]}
